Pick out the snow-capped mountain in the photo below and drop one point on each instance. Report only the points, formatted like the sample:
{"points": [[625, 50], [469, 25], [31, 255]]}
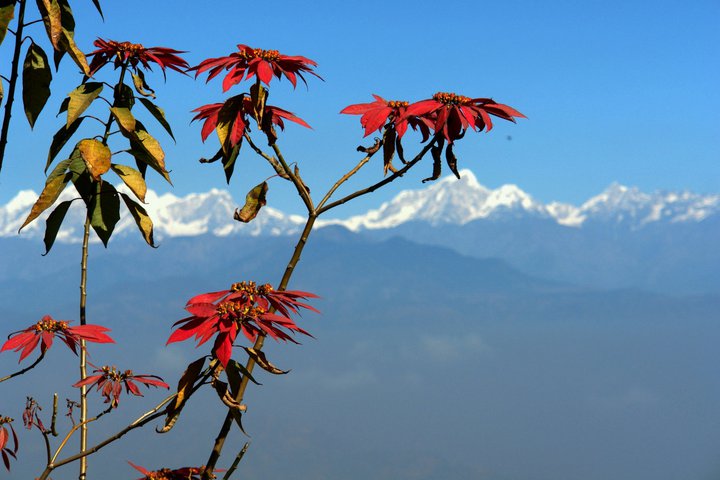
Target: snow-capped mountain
{"points": [[448, 201]]}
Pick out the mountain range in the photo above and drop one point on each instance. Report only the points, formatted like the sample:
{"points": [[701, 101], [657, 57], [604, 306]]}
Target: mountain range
{"points": [[661, 241]]}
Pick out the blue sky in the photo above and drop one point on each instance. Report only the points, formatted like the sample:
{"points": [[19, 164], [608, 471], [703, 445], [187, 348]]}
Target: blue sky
{"points": [[613, 91]]}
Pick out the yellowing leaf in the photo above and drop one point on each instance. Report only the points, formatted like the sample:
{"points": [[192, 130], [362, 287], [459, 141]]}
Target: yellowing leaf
{"points": [[80, 99], [52, 18], [263, 362], [141, 85], [254, 201], [184, 390], [54, 185], [7, 11], [132, 178], [142, 219], [152, 146], [96, 156], [67, 37], [125, 120]]}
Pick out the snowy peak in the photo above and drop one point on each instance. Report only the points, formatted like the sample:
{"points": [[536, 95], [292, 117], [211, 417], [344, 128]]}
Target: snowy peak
{"points": [[450, 200], [447, 201]]}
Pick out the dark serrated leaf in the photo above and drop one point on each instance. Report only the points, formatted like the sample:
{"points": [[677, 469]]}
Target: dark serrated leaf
{"points": [[159, 115], [36, 82], [53, 223], [104, 211], [59, 140]]}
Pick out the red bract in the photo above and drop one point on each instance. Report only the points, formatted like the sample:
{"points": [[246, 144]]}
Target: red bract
{"points": [[232, 116], [44, 331], [134, 54], [248, 62], [185, 473], [453, 114], [245, 307], [5, 451], [381, 112], [110, 381]]}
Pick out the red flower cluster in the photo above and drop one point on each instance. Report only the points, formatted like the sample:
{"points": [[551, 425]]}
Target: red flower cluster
{"points": [[44, 331], [248, 62], [134, 54], [245, 307], [5, 451], [185, 473], [445, 113], [233, 116], [110, 381]]}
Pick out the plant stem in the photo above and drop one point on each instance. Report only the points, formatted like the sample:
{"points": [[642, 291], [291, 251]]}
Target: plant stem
{"points": [[20, 372], [13, 80], [83, 354], [250, 365]]}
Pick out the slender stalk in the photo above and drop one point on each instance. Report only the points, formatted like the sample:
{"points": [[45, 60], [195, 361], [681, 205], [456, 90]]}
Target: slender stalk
{"points": [[20, 372], [15, 67], [236, 462], [250, 365], [381, 183], [83, 353]]}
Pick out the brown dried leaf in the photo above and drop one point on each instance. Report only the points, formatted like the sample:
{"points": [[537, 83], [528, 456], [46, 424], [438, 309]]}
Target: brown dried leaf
{"points": [[254, 201]]}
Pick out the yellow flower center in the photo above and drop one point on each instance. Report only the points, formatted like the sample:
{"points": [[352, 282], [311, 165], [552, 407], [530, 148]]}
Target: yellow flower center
{"points": [[132, 48], [239, 311], [51, 326], [397, 104], [4, 420], [251, 288], [451, 98], [268, 55]]}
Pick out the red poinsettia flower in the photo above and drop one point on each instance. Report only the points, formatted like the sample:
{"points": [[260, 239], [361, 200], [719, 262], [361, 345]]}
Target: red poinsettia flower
{"points": [[185, 473], [453, 114], [110, 381], [44, 331], [5, 451], [248, 62], [245, 307], [383, 112], [133, 54], [233, 115]]}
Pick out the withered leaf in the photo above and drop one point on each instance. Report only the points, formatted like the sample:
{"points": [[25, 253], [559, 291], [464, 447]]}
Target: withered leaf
{"points": [[254, 201], [262, 361]]}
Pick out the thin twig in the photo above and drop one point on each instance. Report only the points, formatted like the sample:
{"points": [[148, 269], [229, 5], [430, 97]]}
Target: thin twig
{"points": [[235, 463], [54, 415], [383, 182], [20, 372], [299, 185]]}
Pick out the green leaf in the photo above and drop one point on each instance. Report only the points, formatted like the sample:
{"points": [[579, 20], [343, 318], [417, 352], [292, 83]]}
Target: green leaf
{"points": [[123, 96], [104, 211], [142, 219], [7, 12], [67, 37], [235, 371], [262, 361], [132, 178], [53, 223], [59, 140], [141, 85], [96, 156], [97, 6], [254, 201], [228, 161], [80, 100], [36, 82], [54, 185], [159, 115]]}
